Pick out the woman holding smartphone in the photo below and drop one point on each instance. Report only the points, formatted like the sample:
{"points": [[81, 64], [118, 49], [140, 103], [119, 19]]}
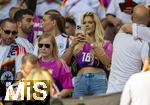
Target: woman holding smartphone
{"points": [[91, 58]]}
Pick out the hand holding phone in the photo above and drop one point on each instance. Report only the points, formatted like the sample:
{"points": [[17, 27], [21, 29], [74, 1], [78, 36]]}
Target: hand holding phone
{"points": [[81, 37]]}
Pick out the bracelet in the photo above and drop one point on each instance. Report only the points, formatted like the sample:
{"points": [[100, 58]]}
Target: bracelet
{"points": [[94, 45]]}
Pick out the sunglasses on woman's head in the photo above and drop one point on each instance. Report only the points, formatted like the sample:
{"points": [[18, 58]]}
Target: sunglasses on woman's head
{"points": [[8, 32], [89, 14], [46, 45]]}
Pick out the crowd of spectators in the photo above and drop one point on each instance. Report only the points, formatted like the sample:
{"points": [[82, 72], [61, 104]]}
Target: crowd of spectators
{"points": [[77, 47]]}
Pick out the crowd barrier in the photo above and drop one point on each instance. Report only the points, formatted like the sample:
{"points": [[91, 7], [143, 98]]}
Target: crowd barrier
{"points": [[108, 99]]}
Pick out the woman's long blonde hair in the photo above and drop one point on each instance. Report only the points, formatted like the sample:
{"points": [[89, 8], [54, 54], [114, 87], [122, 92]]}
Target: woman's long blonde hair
{"points": [[99, 31], [41, 75]]}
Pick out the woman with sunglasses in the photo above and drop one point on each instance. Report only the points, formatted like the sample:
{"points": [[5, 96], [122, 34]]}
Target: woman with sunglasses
{"points": [[49, 58], [91, 58]]}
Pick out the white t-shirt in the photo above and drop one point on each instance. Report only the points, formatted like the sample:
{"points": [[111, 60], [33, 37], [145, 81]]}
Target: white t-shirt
{"points": [[136, 91], [25, 43], [114, 9], [128, 56]]}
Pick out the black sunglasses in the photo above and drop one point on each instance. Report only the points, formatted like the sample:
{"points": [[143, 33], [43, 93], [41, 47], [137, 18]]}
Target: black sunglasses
{"points": [[8, 32], [46, 45]]}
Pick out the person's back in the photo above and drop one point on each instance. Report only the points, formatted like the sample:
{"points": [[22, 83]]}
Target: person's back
{"points": [[128, 54], [127, 59], [136, 91]]}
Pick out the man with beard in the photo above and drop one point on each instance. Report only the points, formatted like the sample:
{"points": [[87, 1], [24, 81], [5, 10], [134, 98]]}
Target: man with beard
{"points": [[24, 18], [10, 53]]}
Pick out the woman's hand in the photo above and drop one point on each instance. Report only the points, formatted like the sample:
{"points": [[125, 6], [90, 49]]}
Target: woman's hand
{"points": [[75, 41], [81, 37], [101, 55]]}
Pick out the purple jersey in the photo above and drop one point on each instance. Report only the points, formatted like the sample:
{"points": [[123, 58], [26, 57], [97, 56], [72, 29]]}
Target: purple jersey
{"points": [[37, 29], [60, 72], [85, 58], [108, 48]]}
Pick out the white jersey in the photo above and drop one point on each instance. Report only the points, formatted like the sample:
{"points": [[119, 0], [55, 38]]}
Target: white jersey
{"points": [[12, 54], [25, 43], [61, 44]]}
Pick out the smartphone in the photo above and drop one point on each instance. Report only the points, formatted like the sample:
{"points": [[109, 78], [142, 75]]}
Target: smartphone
{"points": [[79, 29]]}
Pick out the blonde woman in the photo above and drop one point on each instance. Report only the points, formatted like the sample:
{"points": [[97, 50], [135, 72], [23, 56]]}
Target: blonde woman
{"points": [[91, 58], [49, 59]]}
